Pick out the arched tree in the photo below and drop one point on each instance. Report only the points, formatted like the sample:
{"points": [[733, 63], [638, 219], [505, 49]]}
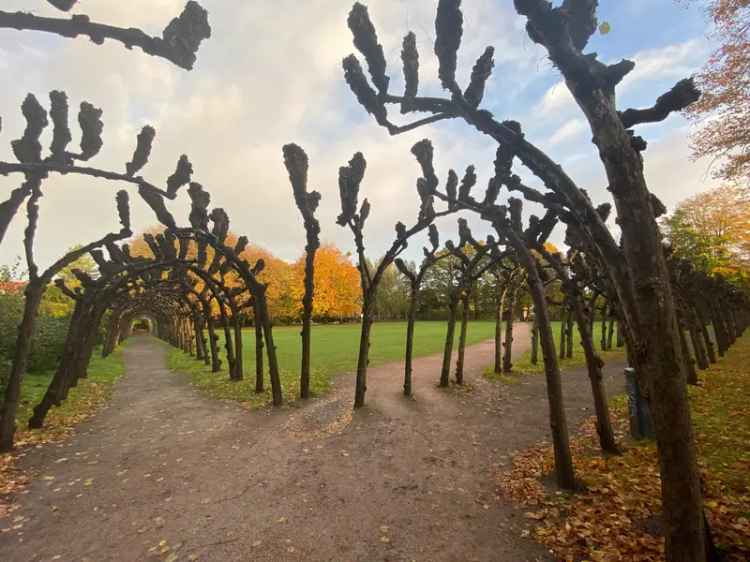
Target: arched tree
{"points": [[473, 259], [637, 269], [350, 178], [37, 285], [416, 277]]}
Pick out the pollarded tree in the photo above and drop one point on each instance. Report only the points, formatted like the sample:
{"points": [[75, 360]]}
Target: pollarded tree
{"points": [[637, 269], [37, 285], [296, 163], [350, 178], [473, 259], [573, 289], [416, 277], [509, 278], [507, 221]]}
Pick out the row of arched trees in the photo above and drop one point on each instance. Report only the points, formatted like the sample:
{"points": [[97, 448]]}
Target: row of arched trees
{"points": [[636, 268], [665, 308]]}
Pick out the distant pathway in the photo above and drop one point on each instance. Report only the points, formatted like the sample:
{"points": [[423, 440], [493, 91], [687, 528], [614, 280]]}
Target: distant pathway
{"points": [[164, 473]]}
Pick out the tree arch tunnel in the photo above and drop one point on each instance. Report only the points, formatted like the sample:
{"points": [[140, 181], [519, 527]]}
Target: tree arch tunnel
{"points": [[192, 287]]}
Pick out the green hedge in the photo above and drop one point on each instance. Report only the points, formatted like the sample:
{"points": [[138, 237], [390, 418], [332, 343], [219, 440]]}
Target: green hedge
{"points": [[46, 345]]}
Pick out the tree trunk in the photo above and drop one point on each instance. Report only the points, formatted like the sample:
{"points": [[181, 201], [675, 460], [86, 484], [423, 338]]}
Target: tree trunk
{"points": [[564, 471], [691, 377], [411, 318], [508, 351], [238, 362], [610, 331], [200, 347], [535, 340], [722, 340], [54, 391], [204, 341], [258, 350], [307, 311], [499, 331], [564, 314], [703, 325], [449, 337], [212, 341], [696, 338], [33, 297], [273, 365], [571, 334], [229, 347], [83, 358], [110, 339], [648, 292], [363, 359], [462, 340], [594, 365]]}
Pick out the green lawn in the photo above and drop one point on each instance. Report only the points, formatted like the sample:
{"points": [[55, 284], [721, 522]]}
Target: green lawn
{"points": [[334, 351], [82, 400], [523, 364]]}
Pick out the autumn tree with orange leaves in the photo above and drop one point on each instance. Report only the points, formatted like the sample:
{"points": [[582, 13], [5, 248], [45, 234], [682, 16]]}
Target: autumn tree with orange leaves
{"points": [[337, 291], [724, 108], [712, 231]]}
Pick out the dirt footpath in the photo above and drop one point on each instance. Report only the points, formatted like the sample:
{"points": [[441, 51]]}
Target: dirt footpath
{"points": [[164, 473]]}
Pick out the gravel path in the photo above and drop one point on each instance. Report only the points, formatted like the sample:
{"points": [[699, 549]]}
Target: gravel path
{"points": [[164, 473]]}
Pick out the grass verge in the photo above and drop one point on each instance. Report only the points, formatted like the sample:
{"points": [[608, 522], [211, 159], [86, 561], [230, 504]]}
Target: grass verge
{"points": [[617, 516]]}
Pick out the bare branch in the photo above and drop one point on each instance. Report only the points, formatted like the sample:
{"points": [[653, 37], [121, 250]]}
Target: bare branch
{"points": [[479, 75], [410, 59], [448, 29], [179, 42], [142, 150], [32, 214], [350, 178], [61, 136], [581, 19], [46, 167], [683, 94], [28, 148], [90, 120], [366, 41]]}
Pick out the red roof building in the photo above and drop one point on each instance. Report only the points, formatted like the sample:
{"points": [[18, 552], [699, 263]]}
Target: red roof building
{"points": [[12, 287]]}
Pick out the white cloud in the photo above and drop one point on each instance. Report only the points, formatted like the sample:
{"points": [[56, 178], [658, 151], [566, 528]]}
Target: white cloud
{"points": [[557, 100], [568, 131], [672, 62]]}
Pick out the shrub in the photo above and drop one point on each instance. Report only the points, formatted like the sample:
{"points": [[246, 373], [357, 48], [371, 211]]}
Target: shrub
{"points": [[46, 344]]}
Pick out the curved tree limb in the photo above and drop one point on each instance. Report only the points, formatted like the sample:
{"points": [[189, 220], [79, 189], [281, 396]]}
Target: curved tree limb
{"points": [[178, 44]]}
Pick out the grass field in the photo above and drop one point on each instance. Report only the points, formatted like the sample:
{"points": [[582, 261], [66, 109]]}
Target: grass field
{"points": [[334, 351], [523, 365]]}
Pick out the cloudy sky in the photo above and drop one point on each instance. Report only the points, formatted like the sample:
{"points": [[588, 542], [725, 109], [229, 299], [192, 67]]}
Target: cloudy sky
{"points": [[271, 74]]}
